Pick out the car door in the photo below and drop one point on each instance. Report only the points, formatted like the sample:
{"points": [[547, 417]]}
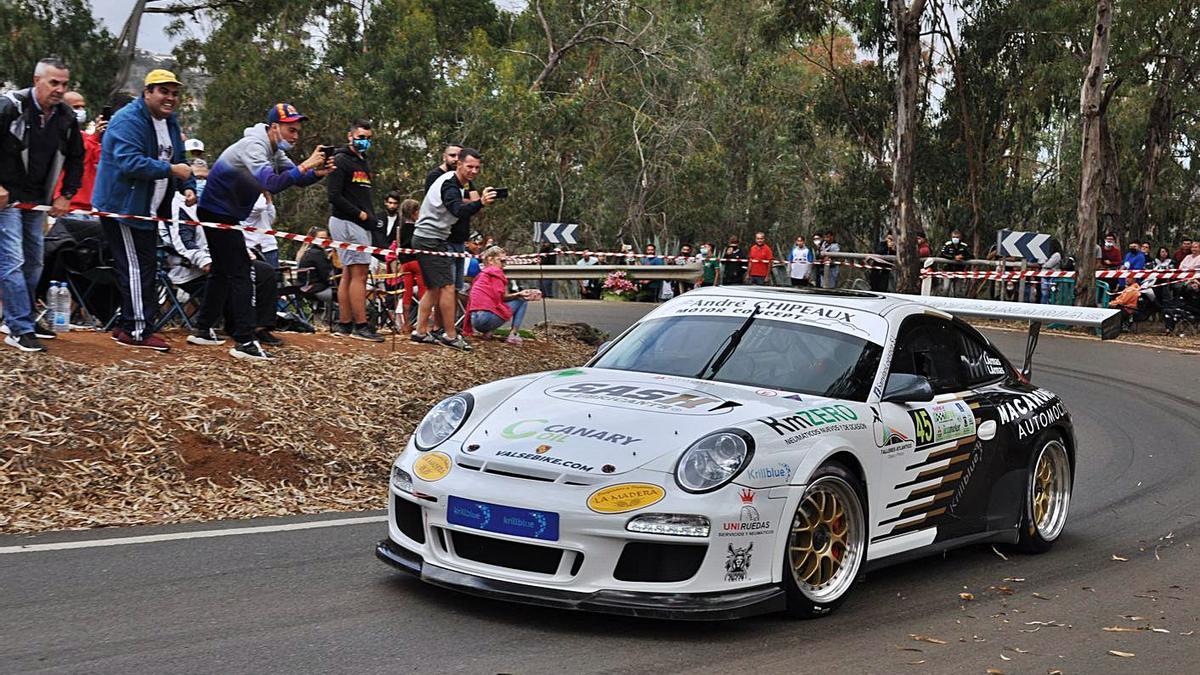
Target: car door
{"points": [[928, 449]]}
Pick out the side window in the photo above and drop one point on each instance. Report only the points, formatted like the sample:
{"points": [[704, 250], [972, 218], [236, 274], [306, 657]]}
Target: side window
{"points": [[932, 348], [982, 364]]}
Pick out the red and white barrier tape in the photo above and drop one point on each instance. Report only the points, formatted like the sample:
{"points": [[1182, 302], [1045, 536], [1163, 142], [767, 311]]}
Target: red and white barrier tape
{"points": [[1058, 274], [316, 241]]}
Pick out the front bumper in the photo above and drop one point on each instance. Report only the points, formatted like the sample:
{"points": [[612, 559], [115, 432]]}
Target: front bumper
{"points": [[720, 606]]}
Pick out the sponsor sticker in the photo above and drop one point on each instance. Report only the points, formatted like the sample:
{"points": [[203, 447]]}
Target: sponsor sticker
{"points": [[942, 422], [994, 365], [625, 497], [638, 396], [737, 562], [809, 422], [432, 467], [543, 430], [890, 440], [780, 471], [749, 521], [836, 318], [541, 454], [1031, 412]]}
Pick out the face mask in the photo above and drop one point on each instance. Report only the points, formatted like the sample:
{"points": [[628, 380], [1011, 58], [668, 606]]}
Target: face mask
{"points": [[704, 251], [1109, 244], [362, 144], [816, 242], [81, 115], [954, 240], [283, 145]]}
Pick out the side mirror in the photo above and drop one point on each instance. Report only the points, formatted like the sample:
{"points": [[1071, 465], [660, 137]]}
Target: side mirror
{"points": [[903, 388]]}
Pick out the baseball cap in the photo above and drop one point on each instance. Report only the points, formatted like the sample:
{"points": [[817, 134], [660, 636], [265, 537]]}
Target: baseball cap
{"points": [[192, 144], [160, 76], [284, 112]]}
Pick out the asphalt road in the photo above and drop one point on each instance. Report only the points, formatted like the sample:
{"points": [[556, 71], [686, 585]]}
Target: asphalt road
{"points": [[316, 600]]}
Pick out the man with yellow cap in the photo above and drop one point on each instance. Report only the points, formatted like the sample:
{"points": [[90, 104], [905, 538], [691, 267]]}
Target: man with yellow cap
{"points": [[142, 163]]}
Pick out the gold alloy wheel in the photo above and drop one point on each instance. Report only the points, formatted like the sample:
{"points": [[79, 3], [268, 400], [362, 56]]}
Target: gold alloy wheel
{"points": [[1050, 490], [826, 542]]}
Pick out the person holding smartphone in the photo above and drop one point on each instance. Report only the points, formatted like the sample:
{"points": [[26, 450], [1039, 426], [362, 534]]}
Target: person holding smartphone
{"points": [[237, 179]]}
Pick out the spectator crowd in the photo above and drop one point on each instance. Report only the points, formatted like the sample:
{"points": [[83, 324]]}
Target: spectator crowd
{"points": [[133, 178]]}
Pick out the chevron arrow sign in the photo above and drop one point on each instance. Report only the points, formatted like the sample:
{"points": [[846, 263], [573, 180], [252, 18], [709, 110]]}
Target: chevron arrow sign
{"points": [[1032, 246], [554, 233]]}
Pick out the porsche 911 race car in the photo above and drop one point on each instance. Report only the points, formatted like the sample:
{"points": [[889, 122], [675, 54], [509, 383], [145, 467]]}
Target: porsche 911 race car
{"points": [[739, 450]]}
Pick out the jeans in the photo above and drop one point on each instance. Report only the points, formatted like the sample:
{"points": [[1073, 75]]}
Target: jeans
{"points": [[484, 321], [21, 250], [758, 281], [271, 258]]}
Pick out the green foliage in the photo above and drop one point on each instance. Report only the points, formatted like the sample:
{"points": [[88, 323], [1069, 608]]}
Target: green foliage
{"points": [[31, 30], [684, 120]]}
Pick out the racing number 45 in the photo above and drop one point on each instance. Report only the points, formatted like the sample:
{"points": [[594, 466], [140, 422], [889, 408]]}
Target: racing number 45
{"points": [[923, 425]]}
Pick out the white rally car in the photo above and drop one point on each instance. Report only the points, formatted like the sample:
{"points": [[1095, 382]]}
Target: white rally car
{"points": [[739, 450]]}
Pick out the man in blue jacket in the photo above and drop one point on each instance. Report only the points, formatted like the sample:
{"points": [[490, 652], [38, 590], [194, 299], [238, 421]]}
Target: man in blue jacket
{"points": [[255, 164], [142, 163]]}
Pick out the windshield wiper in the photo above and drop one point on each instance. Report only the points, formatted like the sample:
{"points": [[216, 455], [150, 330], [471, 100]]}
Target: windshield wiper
{"points": [[718, 359]]}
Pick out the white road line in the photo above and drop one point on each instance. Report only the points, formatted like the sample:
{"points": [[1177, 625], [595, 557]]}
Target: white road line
{"points": [[199, 534]]}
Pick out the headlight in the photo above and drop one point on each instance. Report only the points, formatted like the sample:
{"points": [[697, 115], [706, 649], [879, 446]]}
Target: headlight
{"points": [[441, 422], [714, 460]]}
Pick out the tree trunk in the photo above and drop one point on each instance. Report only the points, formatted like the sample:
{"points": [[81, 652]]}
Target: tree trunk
{"points": [[1158, 140], [127, 45], [1091, 97], [907, 22], [1111, 218]]}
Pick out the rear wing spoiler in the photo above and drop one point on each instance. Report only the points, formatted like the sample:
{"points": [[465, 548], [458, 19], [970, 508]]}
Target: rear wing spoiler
{"points": [[1108, 321]]}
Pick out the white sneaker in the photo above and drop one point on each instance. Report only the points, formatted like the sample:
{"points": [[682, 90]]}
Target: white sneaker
{"points": [[5, 329]]}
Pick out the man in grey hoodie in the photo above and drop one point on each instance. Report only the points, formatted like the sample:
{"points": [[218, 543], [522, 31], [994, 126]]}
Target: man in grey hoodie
{"points": [[246, 169]]}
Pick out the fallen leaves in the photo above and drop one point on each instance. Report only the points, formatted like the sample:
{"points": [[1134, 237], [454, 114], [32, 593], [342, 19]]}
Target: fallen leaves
{"points": [[966, 596], [196, 436], [1119, 558], [1124, 655], [926, 638]]}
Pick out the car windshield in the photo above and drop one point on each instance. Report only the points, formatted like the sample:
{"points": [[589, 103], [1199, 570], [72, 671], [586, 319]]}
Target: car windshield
{"points": [[787, 356]]}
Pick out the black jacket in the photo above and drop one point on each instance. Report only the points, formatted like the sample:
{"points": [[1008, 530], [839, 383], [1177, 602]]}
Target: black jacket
{"points": [[349, 189], [320, 270], [18, 114]]}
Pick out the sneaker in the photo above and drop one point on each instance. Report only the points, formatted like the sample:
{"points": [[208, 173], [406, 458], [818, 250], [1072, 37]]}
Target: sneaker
{"points": [[250, 350], [268, 338], [149, 342], [120, 334], [341, 330], [457, 343], [425, 339], [5, 329], [26, 343], [513, 339], [437, 333], [43, 329], [366, 334], [205, 337]]}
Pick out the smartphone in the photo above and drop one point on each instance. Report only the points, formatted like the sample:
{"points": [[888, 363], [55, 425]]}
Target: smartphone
{"points": [[501, 193], [106, 113], [326, 150]]}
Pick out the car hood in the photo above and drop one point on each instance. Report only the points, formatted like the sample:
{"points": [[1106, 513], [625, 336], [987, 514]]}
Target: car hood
{"points": [[603, 422]]}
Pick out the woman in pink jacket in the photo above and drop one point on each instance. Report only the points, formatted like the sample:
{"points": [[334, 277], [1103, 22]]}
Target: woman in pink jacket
{"points": [[491, 305]]}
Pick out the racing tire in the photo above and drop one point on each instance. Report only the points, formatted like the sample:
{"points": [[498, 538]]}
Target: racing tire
{"points": [[1047, 496], [826, 543]]}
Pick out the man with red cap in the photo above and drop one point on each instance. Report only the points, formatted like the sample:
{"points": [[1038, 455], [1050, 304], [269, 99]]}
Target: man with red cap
{"points": [[256, 163]]}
